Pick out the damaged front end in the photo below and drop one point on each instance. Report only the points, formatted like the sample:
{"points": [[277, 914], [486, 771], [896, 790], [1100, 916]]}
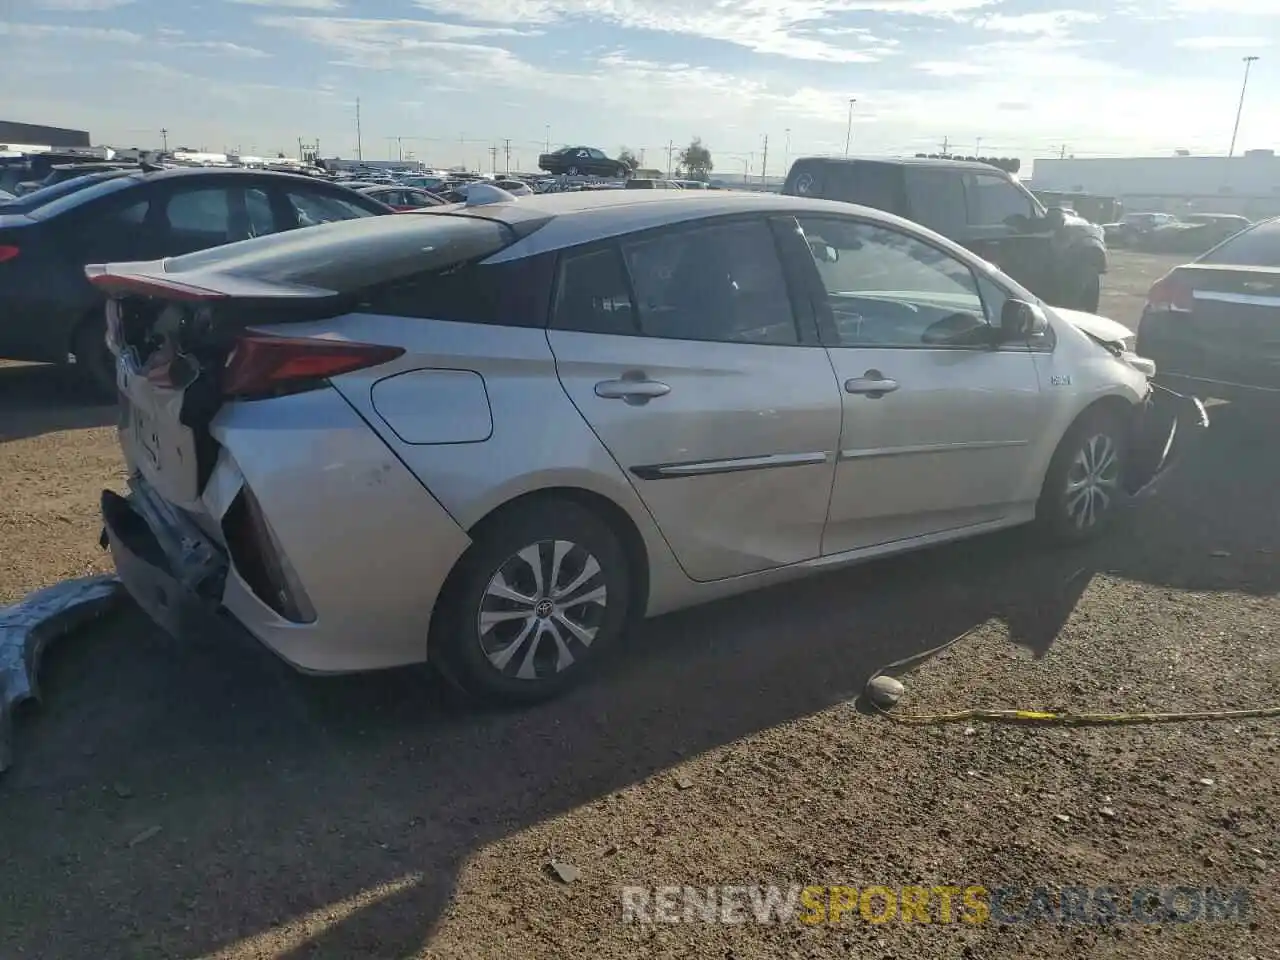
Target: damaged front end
{"points": [[1165, 427]]}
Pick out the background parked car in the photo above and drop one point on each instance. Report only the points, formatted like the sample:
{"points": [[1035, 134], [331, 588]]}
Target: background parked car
{"points": [[37, 198], [401, 199], [1054, 253], [1212, 326], [584, 161], [70, 171], [48, 310], [642, 183]]}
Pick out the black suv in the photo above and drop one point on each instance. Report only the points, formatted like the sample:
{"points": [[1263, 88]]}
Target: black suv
{"points": [[1055, 254]]}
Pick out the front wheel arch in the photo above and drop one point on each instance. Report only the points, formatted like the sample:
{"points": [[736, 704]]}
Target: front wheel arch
{"points": [[1113, 409]]}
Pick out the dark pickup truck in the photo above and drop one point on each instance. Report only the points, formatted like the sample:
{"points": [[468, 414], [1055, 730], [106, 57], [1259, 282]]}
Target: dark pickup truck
{"points": [[1054, 253]]}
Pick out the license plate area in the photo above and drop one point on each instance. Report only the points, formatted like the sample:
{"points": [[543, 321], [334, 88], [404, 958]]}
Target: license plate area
{"points": [[155, 441]]}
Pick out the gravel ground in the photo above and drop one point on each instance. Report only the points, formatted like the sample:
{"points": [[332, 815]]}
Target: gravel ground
{"points": [[188, 801]]}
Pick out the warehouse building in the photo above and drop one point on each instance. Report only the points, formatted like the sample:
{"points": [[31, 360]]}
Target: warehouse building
{"points": [[24, 136], [1248, 184]]}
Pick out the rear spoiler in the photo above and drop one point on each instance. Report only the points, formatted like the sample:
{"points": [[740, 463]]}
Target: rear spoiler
{"points": [[148, 279]]}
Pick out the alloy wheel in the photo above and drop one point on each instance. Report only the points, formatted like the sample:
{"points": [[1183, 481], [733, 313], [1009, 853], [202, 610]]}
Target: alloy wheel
{"points": [[541, 610], [1093, 481]]}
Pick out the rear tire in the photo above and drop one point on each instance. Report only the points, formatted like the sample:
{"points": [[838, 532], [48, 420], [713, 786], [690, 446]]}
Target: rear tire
{"points": [[542, 593], [95, 364], [1084, 487]]}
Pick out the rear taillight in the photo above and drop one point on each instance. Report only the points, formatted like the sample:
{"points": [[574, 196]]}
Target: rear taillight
{"points": [[8, 252], [264, 366], [1171, 294]]}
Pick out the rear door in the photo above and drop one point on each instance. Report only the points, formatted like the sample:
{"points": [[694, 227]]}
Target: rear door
{"points": [[934, 438], [682, 350]]}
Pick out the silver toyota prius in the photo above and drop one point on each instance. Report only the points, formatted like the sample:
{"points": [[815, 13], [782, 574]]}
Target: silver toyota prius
{"points": [[491, 435]]}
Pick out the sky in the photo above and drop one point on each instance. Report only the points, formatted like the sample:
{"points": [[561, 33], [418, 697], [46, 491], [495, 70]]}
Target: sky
{"points": [[444, 80]]}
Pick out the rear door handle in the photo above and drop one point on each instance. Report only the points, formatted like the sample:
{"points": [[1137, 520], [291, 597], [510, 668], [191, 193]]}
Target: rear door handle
{"points": [[872, 384], [633, 388]]}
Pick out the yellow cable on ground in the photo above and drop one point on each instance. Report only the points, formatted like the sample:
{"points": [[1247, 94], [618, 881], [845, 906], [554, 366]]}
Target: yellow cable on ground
{"points": [[1048, 717]]}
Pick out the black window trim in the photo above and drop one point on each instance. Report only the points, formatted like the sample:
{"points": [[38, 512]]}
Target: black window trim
{"points": [[617, 242], [826, 321]]}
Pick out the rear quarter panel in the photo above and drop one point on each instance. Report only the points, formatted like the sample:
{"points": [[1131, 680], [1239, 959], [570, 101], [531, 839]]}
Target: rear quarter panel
{"points": [[537, 441]]}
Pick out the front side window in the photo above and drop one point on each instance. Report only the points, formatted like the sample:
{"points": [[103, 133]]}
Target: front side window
{"points": [[722, 283], [888, 289], [596, 154], [994, 200]]}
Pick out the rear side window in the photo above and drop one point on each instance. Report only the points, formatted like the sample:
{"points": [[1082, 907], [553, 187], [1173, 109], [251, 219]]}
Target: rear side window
{"points": [[1256, 247], [593, 294], [721, 283], [936, 199], [514, 293], [200, 211]]}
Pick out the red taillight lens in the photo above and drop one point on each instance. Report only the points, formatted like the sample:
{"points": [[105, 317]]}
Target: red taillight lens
{"points": [[8, 252], [121, 285], [1171, 293], [263, 365]]}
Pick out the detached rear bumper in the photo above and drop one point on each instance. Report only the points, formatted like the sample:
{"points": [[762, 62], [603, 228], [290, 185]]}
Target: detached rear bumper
{"points": [[1165, 429]]}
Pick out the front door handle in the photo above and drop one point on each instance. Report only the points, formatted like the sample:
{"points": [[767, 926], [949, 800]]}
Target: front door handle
{"points": [[633, 388], [872, 384]]}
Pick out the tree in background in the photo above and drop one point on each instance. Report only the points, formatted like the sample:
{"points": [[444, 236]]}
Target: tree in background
{"points": [[695, 160], [628, 156]]}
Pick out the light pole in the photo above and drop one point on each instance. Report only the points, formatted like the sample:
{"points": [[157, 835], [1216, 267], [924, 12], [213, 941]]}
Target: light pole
{"points": [[547, 131], [786, 151], [978, 148], [848, 130], [1248, 62]]}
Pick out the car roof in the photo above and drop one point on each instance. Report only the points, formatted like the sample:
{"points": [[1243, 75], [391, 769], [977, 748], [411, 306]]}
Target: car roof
{"points": [[552, 221], [950, 164]]}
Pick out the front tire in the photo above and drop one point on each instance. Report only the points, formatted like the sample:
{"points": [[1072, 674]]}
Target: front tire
{"points": [[542, 593], [1084, 486]]}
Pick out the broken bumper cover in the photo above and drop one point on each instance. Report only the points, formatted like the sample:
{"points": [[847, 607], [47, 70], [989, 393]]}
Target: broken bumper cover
{"points": [[1166, 428], [26, 630], [167, 565]]}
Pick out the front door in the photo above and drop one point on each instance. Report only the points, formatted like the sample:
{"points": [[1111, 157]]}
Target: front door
{"points": [[681, 349], [1005, 228], [935, 438]]}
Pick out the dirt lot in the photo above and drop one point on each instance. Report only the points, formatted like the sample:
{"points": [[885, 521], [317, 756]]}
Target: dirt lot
{"points": [[179, 802]]}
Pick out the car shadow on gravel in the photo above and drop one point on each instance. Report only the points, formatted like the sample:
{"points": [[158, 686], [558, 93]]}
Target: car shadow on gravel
{"points": [[276, 795], [39, 398]]}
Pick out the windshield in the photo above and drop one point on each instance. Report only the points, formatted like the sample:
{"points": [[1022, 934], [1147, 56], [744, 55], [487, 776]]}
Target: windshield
{"points": [[1258, 246]]}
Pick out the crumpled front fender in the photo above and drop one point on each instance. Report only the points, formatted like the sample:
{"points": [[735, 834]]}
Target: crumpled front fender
{"points": [[1165, 428]]}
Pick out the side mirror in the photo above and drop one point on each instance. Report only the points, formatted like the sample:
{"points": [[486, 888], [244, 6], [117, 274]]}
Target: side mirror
{"points": [[823, 252], [1021, 321], [1056, 218], [958, 330]]}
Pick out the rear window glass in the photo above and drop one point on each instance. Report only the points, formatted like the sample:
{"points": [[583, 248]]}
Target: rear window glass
{"points": [[1257, 247], [356, 254], [877, 185], [76, 198]]}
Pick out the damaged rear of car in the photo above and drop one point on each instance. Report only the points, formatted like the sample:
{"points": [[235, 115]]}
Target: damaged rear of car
{"points": [[201, 341]]}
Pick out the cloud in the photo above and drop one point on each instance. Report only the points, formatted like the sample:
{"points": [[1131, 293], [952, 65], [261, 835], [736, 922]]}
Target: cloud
{"points": [[46, 31], [1227, 8], [81, 6], [1055, 23], [223, 48], [319, 5], [783, 28], [1222, 43]]}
